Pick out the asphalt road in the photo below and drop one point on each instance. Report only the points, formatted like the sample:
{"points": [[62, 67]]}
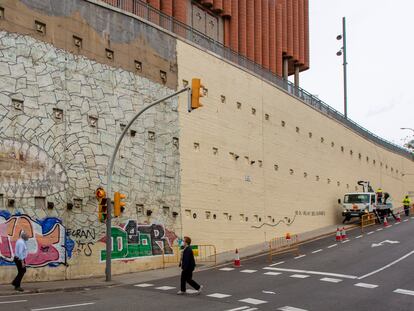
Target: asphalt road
{"points": [[359, 274]]}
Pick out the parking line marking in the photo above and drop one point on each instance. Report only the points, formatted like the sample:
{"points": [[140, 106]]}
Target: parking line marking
{"points": [[317, 251], [333, 245], [359, 236], [299, 276], [272, 273], [275, 264], [287, 308], [66, 306], [248, 271], [226, 269], [165, 287], [366, 285], [344, 276], [386, 266], [404, 291], [144, 285], [12, 301], [253, 301], [300, 256], [218, 295], [331, 280]]}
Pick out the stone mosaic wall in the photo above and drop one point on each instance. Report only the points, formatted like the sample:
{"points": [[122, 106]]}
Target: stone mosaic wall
{"points": [[59, 117]]}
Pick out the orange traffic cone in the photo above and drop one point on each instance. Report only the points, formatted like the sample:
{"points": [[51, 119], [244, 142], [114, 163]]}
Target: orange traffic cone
{"points": [[385, 221], [288, 236], [398, 217], [237, 259], [338, 235], [343, 234]]}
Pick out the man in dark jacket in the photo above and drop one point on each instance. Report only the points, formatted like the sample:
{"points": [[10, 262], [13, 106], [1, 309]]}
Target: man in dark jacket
{"points": [[187, 264]]}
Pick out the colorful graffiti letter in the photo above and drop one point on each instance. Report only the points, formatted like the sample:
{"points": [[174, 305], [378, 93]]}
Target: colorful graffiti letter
{"points": [[47, 244], [135, 241]]}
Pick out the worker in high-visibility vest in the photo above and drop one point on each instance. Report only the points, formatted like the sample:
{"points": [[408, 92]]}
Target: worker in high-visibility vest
{"points": [[406, 202], [379, 196]]}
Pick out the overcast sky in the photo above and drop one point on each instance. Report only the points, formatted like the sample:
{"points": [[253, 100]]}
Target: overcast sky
{"points": [[380, 55]]}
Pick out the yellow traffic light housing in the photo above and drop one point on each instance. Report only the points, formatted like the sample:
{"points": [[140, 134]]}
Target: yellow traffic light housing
{"points": [[119, 206], [102, 204], [197, 91]]}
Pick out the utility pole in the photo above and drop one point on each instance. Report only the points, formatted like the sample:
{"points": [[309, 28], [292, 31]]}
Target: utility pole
{"points": [[342, 52]]}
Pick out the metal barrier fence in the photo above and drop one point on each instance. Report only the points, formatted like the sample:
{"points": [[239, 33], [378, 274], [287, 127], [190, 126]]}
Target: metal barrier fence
{"points": [[203, 254], [282, 245], [147, 12], [368, 220]]}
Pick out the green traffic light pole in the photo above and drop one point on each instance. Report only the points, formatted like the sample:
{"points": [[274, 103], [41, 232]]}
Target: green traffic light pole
{"points": [[108, 238]]}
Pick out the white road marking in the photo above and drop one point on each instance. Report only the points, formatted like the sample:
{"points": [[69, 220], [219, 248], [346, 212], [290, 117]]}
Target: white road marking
{"points": [[165, 287], [389, 226], [370, 232], [317, 251], [359, 236], [248, 271], [346, 241], [405, 220], [300, 256], [144, 285], [344, 276], [191, 291], [12, 301], [253, 301], [275, 264], [379, 229], [387, 266], [268, 292], [226, 269], [412, 217], [299, 276], [272, 273], [331, 280], [366, 285], [287, 308], [250, 309], [383, 242], [62, 307], [333, 245], [218, 295], [404, 291], [397, 223], [241, 308]]}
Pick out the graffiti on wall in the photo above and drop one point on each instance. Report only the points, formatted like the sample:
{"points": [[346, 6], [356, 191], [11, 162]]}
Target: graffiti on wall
{"points": [[84, 240], [137, 240], [48, 244], [27, 171]]}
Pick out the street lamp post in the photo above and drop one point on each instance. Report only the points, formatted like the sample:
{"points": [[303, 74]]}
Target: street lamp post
{"points": [[410, 143], [342, 52]]}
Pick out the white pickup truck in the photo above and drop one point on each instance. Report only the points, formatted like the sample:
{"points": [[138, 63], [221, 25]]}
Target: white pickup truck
{"points": [[357, 204]]}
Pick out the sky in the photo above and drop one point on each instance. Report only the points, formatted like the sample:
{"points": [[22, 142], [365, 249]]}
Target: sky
{"points": [[380, 54]]}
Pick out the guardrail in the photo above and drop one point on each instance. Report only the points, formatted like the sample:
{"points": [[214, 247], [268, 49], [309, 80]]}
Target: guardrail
{"points": [[203, 254], [368, 220], [283, 245], [147, 12]]}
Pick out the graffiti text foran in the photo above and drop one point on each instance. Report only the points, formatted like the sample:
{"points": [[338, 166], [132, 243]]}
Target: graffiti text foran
{"points": [[135, 241]]}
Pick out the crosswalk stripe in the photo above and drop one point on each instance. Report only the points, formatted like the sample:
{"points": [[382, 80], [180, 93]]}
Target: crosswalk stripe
{"points": [[226, 269], [144, 285], [317, 251], [165, 287], [287, 308], [240, 308], [404, 291], [343, 276], [253, 301], [218, 295], [300, 256], [366, 285], [272, 273], [275, 264], [299, 276], [248, 271], [358, 237], [332, 280], [333, 245]]}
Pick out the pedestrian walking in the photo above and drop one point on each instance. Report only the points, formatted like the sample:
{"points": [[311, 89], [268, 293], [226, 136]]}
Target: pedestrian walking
{"points": [[187, 265], [20, 255], [406, 202]]}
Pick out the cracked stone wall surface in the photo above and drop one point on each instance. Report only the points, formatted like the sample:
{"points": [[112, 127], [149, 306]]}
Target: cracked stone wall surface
{"points": [[60, 115]]}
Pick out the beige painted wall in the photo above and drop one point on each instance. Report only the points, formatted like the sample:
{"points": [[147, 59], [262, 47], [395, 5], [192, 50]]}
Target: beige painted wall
{"points": [[218, 183]]}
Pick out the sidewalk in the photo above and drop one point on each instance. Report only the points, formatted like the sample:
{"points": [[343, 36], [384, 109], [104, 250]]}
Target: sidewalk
{"points": [[146, 276]]}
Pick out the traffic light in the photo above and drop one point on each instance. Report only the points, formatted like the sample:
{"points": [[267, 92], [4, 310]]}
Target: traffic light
{"points": [[197, 91], [119, 206], [102, 204]]}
